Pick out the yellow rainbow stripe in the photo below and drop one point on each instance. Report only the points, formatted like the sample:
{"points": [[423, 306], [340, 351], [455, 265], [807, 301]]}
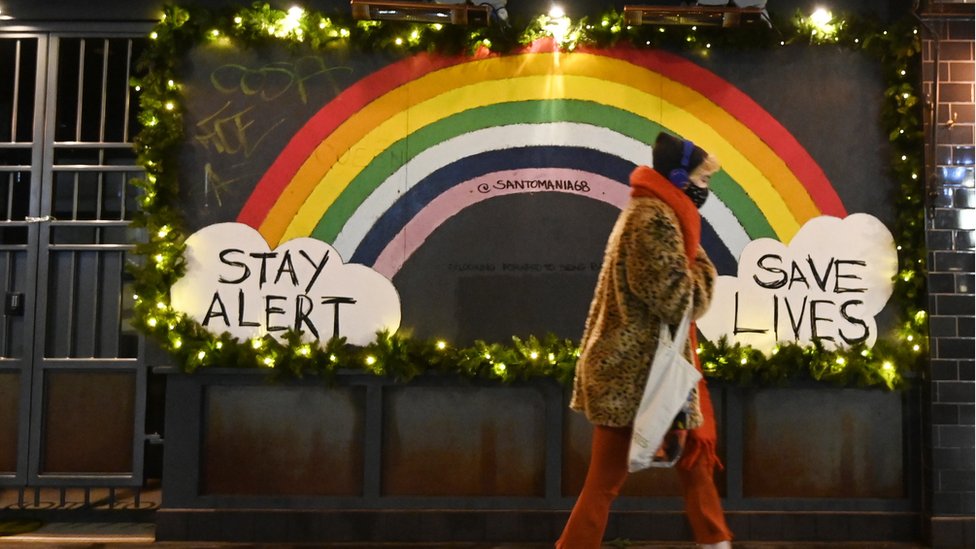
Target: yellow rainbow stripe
{"points": [[762, 173]]}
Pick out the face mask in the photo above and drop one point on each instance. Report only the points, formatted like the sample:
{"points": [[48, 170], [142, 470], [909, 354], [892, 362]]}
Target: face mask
{"points": [[697, 194]]}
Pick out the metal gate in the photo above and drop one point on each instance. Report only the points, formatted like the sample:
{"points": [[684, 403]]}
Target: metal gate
{"points": [[72, 379]]}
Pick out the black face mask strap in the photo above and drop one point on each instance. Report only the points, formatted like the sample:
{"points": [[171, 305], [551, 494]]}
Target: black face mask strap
{"points": [[698, 195]]}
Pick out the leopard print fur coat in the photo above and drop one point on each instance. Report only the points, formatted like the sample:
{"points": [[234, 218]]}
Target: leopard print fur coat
{"points": [[645, 280]]}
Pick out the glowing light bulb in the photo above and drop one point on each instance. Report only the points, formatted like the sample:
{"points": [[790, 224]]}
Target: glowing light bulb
{"points": [[820, 17]]}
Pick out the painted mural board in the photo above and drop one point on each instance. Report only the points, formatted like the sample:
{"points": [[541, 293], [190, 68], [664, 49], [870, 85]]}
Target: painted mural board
{"points": [[483, 188]]}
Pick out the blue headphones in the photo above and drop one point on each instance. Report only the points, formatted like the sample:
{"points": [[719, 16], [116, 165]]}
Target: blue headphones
{"points": [[679, 176]]}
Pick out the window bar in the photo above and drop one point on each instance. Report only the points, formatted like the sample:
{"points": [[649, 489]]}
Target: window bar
{"points": [[99, 196], [81, 88], [100, 177], [114, 335], [123, 190], [75, 200], [101, 121], [10, 193], [16, 93], [8, 274], [123, 195], [72, 285], [128, 96], [96, 320], [125, 129]]}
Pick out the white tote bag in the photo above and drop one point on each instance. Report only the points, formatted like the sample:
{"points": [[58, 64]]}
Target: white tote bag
{"points": [[670, 381]]}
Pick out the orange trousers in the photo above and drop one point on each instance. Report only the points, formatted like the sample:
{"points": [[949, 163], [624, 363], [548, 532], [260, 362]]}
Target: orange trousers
{"points": [[606, 475]]}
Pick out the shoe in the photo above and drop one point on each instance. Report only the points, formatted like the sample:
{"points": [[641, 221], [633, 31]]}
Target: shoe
{"points": [[719, 545]]}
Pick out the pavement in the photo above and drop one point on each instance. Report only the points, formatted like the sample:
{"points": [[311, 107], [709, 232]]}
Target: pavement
{"points": [[17, 534]]}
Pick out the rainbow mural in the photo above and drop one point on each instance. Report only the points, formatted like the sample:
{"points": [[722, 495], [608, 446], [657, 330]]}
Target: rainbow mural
{"points": [[383, 165]]}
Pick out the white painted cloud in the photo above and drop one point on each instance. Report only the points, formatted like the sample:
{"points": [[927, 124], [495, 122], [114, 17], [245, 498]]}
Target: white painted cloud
{"points": [[829, 283], [235, 283]]}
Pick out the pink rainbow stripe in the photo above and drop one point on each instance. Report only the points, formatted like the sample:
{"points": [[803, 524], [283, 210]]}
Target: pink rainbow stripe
{"points": [[476, 190]]}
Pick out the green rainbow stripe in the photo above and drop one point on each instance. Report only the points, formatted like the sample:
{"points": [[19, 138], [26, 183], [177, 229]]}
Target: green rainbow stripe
{"points": [[521, 112]]}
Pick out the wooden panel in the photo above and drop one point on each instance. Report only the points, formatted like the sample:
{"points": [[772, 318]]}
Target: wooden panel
{"points": [[464, 441], [88, 422], [843, 443], [9, 421], [282, 440]]}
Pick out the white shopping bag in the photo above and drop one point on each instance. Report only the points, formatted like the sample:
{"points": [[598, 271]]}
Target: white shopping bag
{"points": [[670, 381]]}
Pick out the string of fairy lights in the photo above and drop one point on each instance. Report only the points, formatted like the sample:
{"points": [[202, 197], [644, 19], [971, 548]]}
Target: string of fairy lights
{"points": [[891, 363]]}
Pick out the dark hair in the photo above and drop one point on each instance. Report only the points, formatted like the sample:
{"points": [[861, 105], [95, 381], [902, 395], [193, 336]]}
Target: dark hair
{"points": [[668, 153]]}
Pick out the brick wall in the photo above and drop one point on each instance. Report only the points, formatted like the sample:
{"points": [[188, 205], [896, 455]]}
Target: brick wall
{"points": [[948, 86]]}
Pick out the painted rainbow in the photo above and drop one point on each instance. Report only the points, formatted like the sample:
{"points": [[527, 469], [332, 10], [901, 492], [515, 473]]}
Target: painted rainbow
{"points": [[380, 167]]}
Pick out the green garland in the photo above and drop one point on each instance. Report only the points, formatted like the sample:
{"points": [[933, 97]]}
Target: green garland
{"points": [[160, 261]]}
